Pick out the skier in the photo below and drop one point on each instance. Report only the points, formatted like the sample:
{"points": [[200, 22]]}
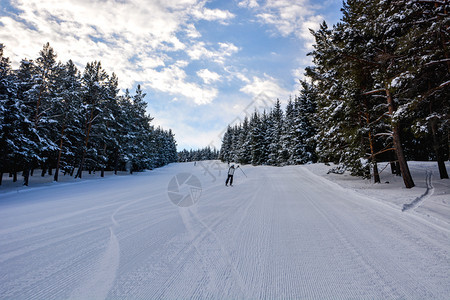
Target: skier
{"points": [[230, 175]]}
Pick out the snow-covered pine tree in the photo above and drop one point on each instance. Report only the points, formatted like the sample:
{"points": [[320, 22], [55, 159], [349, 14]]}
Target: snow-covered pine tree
{"points": [[266, 123], [165, 147], [6, 92], [42, 97], [256, 139], [130, 131], [286, 140], [198, 155], [142, 134], [366, 39], [244, 151], [331, 118], [68, 115], [225, 148], [427, 80], [354, 40], [274, 133], [16, 132], [387, 29], [27, 139], [303, 146], [107, 127], [235, 142], [94, 92]]}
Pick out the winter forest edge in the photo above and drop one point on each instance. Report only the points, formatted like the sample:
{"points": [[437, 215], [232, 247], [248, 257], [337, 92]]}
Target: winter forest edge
{"points": [[377, 92], [54, 117]]}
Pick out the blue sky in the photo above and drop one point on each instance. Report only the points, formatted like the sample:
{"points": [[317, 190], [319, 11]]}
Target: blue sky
{"points": [[203, 64]]}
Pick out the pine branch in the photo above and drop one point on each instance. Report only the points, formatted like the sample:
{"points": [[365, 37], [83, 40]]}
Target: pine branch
{"points": [[373, 92], [437, 62], [430, 1]]}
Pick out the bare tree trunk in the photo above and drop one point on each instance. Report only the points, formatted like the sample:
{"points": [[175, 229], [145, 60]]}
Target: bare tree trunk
{"points": [[116, 162], [59, 154], [14, 173], [26, 174], [88, 131], [103, 163], [376, 175], [407, 179], [392, 163], [398, 172], [80, 168], [437, 150]]}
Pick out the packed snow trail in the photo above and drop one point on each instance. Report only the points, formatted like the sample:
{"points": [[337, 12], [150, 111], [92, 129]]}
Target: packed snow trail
{"points": [[279, 233]]}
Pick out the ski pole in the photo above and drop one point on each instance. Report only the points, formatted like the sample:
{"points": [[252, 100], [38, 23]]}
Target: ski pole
{"points": [[241, 171]]}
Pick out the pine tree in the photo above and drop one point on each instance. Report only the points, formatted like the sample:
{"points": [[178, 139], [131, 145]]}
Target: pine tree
{"points": [[225, 149], [27, 139], [274, 133], [42, 96], [286, 140], [68, 116], [365, 40], [16, 128], [94, 83], [244, 150], [256, 139], [331, 119], [427, 80], [303, 150]]}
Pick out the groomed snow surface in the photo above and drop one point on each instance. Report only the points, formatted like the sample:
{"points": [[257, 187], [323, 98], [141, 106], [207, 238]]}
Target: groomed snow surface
{"points": [[291, 232]]}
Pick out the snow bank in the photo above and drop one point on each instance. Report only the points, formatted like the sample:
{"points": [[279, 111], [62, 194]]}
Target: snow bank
{"points": [[434, 200]]}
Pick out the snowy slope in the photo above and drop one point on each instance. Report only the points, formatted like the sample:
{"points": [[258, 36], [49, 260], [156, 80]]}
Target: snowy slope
{"points": [[278, 233], [430, 196]]}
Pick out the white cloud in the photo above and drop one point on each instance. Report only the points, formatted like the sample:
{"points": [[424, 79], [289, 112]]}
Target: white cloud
{"points": [[130, 38], [242, 77], [192, 32], [248, 3], [288, 17], [199, 51], [213, 15], [208, 76], [298, 73], [172, 80], [236, 73], [265, 88], [228, 49]]}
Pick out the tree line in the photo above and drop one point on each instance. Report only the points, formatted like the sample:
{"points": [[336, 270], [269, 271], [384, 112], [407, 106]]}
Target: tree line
{"points": [[378, 90], [274, 137], [196, 155], [54, 117]]}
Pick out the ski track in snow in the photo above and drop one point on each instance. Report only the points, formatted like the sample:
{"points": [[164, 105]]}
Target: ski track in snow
{"points": [[428, 192], [280, 233]]}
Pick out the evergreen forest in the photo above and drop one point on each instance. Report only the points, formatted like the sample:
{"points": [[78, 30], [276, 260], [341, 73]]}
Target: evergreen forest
{"points": [[56, 118], [378, 91]]}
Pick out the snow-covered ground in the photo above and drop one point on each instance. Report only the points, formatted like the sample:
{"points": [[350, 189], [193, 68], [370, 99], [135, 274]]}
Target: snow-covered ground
{"points": [[291, 232], [430, 197]]}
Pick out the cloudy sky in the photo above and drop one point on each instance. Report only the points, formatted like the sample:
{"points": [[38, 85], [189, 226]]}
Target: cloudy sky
{"points": [[203, 64]]}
